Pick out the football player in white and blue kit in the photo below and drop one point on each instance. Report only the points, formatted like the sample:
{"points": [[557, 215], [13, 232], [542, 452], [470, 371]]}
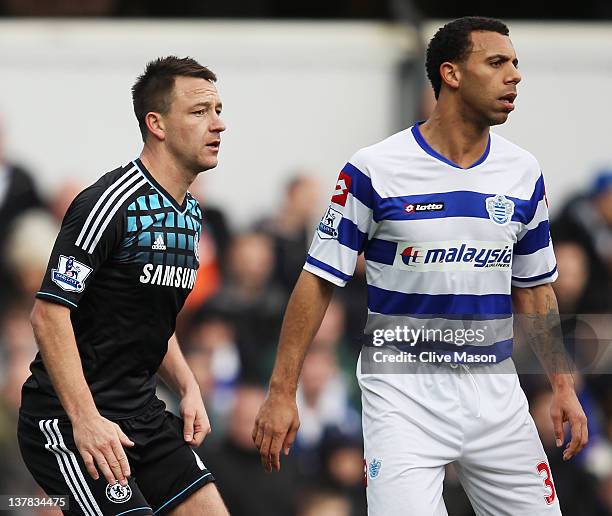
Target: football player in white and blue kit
{"points": [[453, 222]]}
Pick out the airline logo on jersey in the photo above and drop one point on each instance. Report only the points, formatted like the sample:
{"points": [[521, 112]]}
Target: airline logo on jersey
{"points": [[328, 227], [159, 244], [420, 207], [70, 274], [500, 209], [454, 255], [410, 255], [342, 189]]}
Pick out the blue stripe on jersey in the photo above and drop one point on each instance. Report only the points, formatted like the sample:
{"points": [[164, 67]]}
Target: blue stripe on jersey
{"points": [[132, 510], [327, 268], [381, 251], [40, 293], [416, 132], [350, 235], [534, 240], [535, 278], [361, 186], [536, 197], [456, 204], [388, 302]]}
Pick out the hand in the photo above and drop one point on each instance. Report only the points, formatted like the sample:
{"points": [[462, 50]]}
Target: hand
{"points": [[275, 427], [566, 407], [196, 425], [102, 441]]}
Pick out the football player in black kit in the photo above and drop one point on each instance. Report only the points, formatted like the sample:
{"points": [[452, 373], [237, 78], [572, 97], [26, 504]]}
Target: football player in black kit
{"points": [[125, 259]]}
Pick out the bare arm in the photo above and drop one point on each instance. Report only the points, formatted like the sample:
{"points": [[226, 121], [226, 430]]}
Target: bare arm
{"points": [[176, 373], [305, 312], [174, 370], [539, 320], [58, 348], [277, 422], [540, 323], [96, 437]]}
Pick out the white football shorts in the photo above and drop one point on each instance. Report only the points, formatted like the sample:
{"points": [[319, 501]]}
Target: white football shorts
{"points": [[477, 417]]}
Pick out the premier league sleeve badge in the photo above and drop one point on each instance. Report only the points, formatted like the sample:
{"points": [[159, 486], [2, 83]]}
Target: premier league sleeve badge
{"points": [[70, 274]]}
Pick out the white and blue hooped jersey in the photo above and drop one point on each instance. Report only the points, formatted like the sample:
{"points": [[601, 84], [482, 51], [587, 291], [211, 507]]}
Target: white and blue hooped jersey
{"points": [[443, 245]]}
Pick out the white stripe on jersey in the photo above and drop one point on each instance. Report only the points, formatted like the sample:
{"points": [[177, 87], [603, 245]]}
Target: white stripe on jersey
{"points": [[129, 174], [534, 264], [541, 214], [427, 230], [324, 274], [108, 205], [358, 213], [394, 279], [102, 227]]}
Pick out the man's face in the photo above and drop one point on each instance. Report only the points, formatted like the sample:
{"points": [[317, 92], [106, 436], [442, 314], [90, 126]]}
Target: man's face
{"points": [[193, 125], [489, 77]]}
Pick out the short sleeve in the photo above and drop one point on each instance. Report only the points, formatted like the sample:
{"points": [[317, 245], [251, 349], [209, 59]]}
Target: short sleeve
{"points": [[345, 227], [534, 260], [90, 231]]}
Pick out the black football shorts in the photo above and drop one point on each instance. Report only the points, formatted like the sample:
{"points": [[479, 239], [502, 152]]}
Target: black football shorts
{"points": [[164, 469]]}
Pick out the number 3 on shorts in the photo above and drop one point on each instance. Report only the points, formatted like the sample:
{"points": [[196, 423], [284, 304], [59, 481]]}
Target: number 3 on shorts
{"points": [[544, 472]]}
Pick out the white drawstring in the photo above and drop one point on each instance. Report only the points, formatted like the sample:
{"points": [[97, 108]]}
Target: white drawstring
{"points": [[467, 369]]}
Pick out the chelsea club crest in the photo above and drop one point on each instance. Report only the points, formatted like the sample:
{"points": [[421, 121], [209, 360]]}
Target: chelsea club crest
{"points": [[500, 209]]}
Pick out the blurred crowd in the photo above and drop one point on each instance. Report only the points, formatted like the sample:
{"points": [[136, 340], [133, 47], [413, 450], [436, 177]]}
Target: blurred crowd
{"points": [[229, 329]]}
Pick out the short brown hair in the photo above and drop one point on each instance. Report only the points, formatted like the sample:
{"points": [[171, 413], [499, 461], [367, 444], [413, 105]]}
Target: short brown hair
{"points": [[152, 89]]}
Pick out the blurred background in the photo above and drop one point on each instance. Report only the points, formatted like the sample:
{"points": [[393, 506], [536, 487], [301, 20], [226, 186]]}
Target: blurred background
{"points": [[304, 85]]}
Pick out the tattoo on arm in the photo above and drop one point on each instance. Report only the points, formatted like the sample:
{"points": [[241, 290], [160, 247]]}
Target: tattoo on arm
{"points": [[542, 327]]}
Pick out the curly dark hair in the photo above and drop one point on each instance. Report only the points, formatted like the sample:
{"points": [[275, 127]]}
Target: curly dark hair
{"points": [[452, 43], [152, 89]]}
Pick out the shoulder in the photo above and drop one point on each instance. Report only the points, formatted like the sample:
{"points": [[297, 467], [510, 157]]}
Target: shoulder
{"points": [[523, 164], [112, 190], [506, 150], [375, 155]]}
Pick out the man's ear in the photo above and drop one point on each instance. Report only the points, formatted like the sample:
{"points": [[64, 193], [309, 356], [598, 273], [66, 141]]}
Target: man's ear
{"points": [[155, 124], [450, 74]]}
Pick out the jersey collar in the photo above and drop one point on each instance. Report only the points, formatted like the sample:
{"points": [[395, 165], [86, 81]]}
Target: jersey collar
{"points": [[416, 132], [178, 207]]}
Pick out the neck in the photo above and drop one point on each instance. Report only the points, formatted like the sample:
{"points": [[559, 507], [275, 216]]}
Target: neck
{"points": [[171, 175], [455, 134]]}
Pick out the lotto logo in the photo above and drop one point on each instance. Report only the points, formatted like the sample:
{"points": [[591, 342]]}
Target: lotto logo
{"points": [[432, 206], [342, 189]]}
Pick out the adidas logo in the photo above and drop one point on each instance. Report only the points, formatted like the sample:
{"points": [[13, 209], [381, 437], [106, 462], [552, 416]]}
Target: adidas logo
{"points": [[159, 244]]}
